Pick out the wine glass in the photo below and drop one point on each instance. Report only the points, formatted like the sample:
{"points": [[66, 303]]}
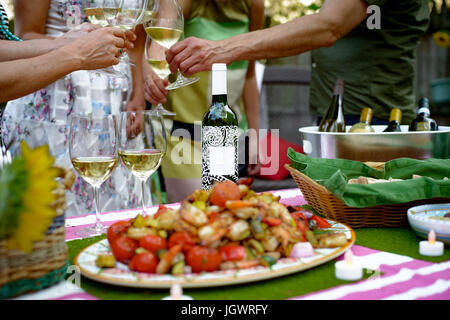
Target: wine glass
{"points": [[166, 28], [127, 14], [142, 144], [97, 12], [93, 152], [155, 54]]}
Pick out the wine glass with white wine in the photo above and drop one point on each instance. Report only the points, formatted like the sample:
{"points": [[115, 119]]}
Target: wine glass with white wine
{"points": [[155, 55], [166, 28], [93, 152], [142, 144], [128, 16]]}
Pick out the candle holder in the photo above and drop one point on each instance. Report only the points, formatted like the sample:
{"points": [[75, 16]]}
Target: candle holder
{"points": [[347, 269]]}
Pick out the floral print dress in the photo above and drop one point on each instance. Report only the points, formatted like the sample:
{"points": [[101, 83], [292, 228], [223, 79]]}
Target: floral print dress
{"points": [[43, 117]]}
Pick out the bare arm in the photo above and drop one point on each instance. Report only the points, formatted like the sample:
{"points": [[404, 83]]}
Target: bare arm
{"points": [[96, 50], [30, 18], [335, 19], [137, 101], [250, 94]]}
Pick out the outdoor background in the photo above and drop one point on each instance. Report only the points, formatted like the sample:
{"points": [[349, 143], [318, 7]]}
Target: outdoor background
{"points": [[286, 105]]}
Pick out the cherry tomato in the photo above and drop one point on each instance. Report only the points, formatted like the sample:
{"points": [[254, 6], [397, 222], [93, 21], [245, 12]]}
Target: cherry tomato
{"points": [[144, 262], [246, 181], [116, 230], [153, 243], [223, 192], [123, 248], [321, 222], [232, 252], [203, 259], [182, 238]]}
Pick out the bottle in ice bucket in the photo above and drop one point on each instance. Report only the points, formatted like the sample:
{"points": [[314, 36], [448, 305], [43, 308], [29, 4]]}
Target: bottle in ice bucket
{"points": [[395, 119], [219, 133], [334, 119], [364, 122], [423, 122]]}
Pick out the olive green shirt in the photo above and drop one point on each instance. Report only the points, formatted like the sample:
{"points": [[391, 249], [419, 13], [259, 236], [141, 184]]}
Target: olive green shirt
{"points": [[377, 65]]}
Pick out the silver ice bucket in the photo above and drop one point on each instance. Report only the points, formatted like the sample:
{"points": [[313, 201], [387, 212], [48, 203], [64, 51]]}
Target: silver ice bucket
{"points": [[378, 146]]}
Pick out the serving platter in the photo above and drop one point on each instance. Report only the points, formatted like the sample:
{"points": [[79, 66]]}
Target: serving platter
{"points": [[122, 276]]}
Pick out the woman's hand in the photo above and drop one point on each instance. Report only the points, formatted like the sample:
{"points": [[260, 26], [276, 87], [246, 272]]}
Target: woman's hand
{"points": [[100, 48], [154, 87]]}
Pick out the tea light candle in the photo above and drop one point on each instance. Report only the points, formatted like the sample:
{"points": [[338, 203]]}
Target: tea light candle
{"points": [[176, 293], [431, 247], [347, 269]]}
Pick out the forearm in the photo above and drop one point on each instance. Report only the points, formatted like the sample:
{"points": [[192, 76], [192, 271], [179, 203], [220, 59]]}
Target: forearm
{"points": [[21, 77], [136, 55], [12, 50], [250, 97], [335, 19]]}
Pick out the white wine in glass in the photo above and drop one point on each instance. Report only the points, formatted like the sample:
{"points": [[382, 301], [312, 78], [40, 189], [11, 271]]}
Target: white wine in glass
{"points": [[142, 145], [166, 28], [93, 152]]}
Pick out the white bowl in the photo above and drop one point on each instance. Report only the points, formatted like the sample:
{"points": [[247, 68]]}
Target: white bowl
{"points": [[420, 222]]}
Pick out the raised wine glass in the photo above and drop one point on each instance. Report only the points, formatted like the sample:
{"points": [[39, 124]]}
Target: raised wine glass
{"points": [[166, 28], [142, 144], [98, 12], [93, 152], [155, 54], [129, 15]]}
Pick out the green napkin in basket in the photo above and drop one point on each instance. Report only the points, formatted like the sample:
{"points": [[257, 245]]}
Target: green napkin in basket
{"points": [[334, 174]]}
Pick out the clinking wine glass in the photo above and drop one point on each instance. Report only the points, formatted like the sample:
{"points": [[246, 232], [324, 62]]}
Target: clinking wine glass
{"points": [[129, 14], [166, 28], [155, 55], [98, 12], [93, 152], [142, 144]]}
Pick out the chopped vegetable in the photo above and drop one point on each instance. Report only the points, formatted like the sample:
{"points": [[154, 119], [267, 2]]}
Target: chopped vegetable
{"points": [[302, 250], [105, 261]]}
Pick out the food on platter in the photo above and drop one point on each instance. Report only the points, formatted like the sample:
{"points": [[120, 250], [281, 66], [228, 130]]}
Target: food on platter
{"points": [[368, 180], [227, 227]]}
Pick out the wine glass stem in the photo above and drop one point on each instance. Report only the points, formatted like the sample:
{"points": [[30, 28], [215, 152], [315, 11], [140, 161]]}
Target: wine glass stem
{"points": [[144, 213], [98, 223]]}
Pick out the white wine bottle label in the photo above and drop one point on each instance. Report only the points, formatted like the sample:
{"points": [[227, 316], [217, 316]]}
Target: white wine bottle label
{"points": [[219, 154]]}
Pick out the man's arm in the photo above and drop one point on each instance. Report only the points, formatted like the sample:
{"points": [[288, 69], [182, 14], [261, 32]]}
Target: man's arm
{"points": [[97, 50], [335, 19]]}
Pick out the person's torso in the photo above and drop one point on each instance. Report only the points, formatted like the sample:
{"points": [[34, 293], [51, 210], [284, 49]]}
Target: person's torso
{"points": [[377, 65], [212, 20]]}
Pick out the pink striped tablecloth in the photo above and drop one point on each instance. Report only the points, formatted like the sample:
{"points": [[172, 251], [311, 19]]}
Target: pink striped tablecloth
{"points": [[397, 277]]}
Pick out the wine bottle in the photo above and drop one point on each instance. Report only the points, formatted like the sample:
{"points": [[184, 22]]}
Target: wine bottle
{"points": [[395, 118], [334, 119], [423, 122], [219, 134], [364, 122]]}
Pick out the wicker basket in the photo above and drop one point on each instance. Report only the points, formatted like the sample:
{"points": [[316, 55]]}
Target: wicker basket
{"points": [[331, 207], [47, 263]]}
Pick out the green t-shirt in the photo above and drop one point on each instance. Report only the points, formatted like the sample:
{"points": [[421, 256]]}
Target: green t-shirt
{"points": [[377, 65]]}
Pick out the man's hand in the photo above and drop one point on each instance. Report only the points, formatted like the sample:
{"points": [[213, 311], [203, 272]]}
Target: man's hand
{"points": [[100, 48], [154, 87], [193, 55]]}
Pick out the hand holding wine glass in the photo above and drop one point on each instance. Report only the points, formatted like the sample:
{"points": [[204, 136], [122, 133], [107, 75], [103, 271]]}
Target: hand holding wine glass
{"points": [[93, 152], [142, 144], [166, 28]]}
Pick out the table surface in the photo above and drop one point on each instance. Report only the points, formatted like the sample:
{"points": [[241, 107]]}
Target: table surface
{"points": [[394, 269]]}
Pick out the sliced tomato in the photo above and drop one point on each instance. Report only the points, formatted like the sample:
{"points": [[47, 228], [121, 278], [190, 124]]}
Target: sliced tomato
{"points": [[123, 248], [232, 252], [144, 262], [116, 230], [203, 259], [183, 238], [321, 222], [153, 243], [271, 222], [161, 209]]}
